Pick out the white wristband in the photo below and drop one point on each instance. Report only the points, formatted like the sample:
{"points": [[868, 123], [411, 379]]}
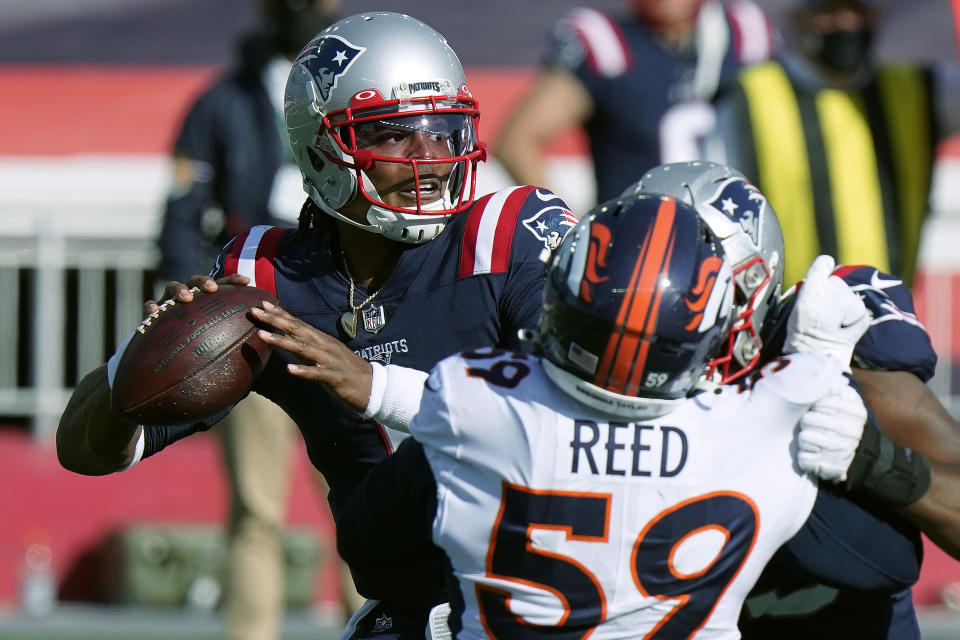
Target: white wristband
{"points": [[395, 394], [378, 386]]}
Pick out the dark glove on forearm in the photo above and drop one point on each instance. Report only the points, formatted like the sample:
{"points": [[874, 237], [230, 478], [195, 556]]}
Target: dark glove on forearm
{"points": [[886, 470]]}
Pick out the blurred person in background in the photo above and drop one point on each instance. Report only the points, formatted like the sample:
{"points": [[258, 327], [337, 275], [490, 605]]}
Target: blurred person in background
{"points": [[639, 83], [842, 145], [233, 169]]}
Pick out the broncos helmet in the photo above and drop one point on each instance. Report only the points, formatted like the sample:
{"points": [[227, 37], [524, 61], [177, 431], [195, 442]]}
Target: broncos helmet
{"points": [[638, 297], [748, 228], [383, 87]]}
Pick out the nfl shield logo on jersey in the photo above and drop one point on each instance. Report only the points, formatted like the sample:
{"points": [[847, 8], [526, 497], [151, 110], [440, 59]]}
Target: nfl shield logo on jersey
{"points": [[382, 623], [374, 317], [329, 60]]}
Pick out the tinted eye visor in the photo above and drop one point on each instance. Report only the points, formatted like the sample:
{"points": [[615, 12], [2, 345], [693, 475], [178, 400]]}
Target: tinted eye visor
{"points": [[437, 135]]}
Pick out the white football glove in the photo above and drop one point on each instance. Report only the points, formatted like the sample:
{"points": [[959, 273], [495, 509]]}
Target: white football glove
{"points": [[828, 317], [829, 434]]}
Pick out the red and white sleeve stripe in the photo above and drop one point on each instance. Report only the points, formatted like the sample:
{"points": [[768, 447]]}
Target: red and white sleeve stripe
{"points": [[752, 35], [602, 40], [488, 236], [253, 254]]}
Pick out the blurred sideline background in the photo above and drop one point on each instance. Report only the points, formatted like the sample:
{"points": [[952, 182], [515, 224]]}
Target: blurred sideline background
{"points": [[92, 94]]}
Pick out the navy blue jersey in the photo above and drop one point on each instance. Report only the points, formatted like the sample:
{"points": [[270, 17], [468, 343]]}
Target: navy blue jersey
{"points": [[649, 102], [787, 602], [844, 545], [477, 283], [895, 341]]}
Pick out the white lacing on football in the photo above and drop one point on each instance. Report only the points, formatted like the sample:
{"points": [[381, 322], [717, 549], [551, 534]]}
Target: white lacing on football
{"points": [[142, 327]]}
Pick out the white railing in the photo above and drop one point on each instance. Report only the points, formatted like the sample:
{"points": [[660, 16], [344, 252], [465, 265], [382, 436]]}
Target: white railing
{"points": [[77, 256], [60, 290]]}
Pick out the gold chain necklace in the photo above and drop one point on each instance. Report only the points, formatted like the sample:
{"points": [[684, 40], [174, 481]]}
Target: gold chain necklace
{"points": [[349, 318]]}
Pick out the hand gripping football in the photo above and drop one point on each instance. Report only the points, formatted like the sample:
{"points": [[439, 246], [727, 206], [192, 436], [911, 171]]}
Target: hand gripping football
{"points": [[191, 360]]}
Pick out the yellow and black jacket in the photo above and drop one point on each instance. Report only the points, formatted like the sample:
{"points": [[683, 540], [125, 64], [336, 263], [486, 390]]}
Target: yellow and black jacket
{"points": [[848, 172]]}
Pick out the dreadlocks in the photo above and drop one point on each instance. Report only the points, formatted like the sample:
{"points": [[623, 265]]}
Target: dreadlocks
{"points": [[309, 219]]}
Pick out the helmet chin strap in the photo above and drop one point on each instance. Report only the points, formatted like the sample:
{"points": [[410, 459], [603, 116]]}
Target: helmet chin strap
{"points": [[391, 223], [317, 200], [383, 221]]}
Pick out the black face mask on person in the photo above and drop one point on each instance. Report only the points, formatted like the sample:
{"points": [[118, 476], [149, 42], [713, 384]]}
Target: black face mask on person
{"points": [[843, 51]]}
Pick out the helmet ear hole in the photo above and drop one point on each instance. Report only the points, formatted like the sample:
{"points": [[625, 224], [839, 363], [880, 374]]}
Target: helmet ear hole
{"points": [[315, 160]]}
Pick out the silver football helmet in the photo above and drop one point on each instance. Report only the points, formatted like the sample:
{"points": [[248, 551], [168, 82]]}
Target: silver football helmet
{"points": [[748, 228], [377, 88]]}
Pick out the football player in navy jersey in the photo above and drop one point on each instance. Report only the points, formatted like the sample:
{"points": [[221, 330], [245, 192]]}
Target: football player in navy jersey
{"points": [[891, 363], [509, 447], [639, 82], [394, 261], [842, 543]]}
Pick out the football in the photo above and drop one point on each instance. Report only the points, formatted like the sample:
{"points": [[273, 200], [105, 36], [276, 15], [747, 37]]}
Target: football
{"points": [[189, 361]]}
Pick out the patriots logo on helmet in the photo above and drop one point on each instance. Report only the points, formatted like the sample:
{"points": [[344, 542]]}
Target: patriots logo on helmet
{"points": [[743, 203], [550, 224], [330, 59]]}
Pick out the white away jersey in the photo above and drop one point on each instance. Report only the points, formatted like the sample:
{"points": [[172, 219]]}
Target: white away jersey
{"points": [[556, 515]]}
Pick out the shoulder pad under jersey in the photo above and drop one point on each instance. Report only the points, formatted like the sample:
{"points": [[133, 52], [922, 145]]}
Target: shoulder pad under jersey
{"points": [[896, 339], [512, 225], [591, 36], [253, 254]]}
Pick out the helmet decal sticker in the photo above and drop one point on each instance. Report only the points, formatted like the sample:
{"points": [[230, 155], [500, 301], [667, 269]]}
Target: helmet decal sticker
{"points": [[330, 58], [596, 258], [743, 203], [550, 225], [696, 299]]}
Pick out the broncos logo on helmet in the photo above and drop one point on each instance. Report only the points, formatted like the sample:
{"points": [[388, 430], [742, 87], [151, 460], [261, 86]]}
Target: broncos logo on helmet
{"points": [[596, 258], [702, 293], [330, 58]]}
